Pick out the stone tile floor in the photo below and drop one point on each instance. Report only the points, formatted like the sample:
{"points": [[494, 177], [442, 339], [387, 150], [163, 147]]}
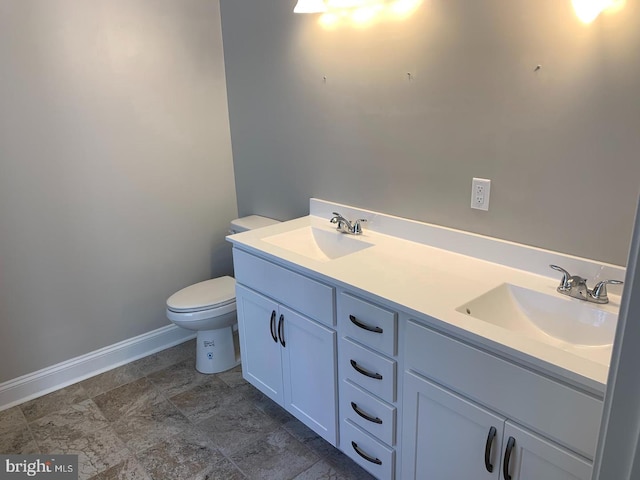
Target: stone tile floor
{"points": [[158, 418]]}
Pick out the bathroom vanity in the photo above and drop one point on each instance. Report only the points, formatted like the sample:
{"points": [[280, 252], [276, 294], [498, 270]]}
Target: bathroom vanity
{"points": [[424, 352]]}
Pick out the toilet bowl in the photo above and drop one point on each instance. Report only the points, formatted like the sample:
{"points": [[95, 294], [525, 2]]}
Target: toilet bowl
{"points": [[209, 308]]}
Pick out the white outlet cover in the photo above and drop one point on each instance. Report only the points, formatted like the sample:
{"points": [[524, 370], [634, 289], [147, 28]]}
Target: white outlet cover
{"points": [[480, 192]]}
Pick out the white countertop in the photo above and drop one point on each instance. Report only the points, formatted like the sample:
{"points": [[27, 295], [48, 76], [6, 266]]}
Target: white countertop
{"points": [[430, 283]]}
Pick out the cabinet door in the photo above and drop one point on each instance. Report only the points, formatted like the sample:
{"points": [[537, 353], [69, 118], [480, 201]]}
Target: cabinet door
{"points": [[446, 436], [260, 349], [534, 458], [309, 366]]}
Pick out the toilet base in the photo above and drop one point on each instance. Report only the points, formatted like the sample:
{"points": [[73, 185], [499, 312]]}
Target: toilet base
{"points": [[215, 350]]}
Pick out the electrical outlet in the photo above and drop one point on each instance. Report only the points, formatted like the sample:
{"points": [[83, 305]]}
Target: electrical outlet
{"points": [[480, 191]]}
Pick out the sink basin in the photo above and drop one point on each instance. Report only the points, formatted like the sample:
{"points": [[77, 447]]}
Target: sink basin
{"points": [[544, 317], [318, 244]]}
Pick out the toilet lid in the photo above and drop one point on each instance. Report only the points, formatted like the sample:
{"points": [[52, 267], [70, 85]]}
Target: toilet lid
{"points": [[212, 293]]}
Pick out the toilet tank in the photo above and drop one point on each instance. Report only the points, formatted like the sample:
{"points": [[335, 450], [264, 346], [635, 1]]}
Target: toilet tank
{"points": [[250, 223]]}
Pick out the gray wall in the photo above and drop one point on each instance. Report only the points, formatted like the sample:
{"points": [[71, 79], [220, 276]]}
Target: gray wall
{"points": [[560, 145], [116, 178]]}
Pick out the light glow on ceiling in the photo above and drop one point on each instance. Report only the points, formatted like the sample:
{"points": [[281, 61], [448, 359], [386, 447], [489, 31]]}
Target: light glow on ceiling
{"points": [[359, 13], [588, 10]]}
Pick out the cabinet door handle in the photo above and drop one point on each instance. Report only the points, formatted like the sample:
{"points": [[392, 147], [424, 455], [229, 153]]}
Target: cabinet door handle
{"points": [[367, 373], [281, 330], [272, 326], [364, 326], [487, 449], [365, 415], [507, 458], [368, 458]]}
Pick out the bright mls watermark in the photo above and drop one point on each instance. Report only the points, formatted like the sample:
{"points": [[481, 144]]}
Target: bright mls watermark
{"points": [[49, 467]]}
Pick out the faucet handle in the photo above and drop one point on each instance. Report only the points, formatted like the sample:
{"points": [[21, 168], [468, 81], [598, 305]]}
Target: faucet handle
{"points": [[357, 228], [336, 217], [600, 290], [566, 276]]}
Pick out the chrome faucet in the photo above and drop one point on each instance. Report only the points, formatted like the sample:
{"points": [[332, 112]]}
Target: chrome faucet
{"points": [[345, 226], [576, 287]]}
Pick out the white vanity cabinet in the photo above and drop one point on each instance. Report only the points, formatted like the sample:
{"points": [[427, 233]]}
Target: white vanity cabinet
{"points": [[448, 435], [404, 400], [288, 356]]}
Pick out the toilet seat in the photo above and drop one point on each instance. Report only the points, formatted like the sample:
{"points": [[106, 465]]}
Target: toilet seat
{"points": [[217, 294]]}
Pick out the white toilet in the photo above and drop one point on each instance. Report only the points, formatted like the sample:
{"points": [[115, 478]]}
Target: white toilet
{"points": [[209, 308]]}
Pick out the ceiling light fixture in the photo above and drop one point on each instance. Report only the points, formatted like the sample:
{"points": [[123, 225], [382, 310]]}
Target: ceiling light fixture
{"points": [[310, 6]]}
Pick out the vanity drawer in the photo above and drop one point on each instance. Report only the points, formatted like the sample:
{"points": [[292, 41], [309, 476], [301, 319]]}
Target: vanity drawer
{"points": [[370, 454], [368, 369], [555, 410], [307, 296], [368, 323], [373, 415]]}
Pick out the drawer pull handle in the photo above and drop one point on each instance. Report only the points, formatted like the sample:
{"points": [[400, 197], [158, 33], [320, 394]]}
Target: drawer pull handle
{"points": [[364, 415], [487, 449], [281, 330], [368, 458], [507, 458], [367, 373], [272, 326], [364, 326]]}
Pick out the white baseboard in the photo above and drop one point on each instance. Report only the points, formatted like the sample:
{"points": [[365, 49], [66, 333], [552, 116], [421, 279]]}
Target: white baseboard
{"points": [[36, 384]]}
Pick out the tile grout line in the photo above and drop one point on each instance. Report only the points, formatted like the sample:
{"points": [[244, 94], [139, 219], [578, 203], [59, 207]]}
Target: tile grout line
{"points": [[33, 437]]}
